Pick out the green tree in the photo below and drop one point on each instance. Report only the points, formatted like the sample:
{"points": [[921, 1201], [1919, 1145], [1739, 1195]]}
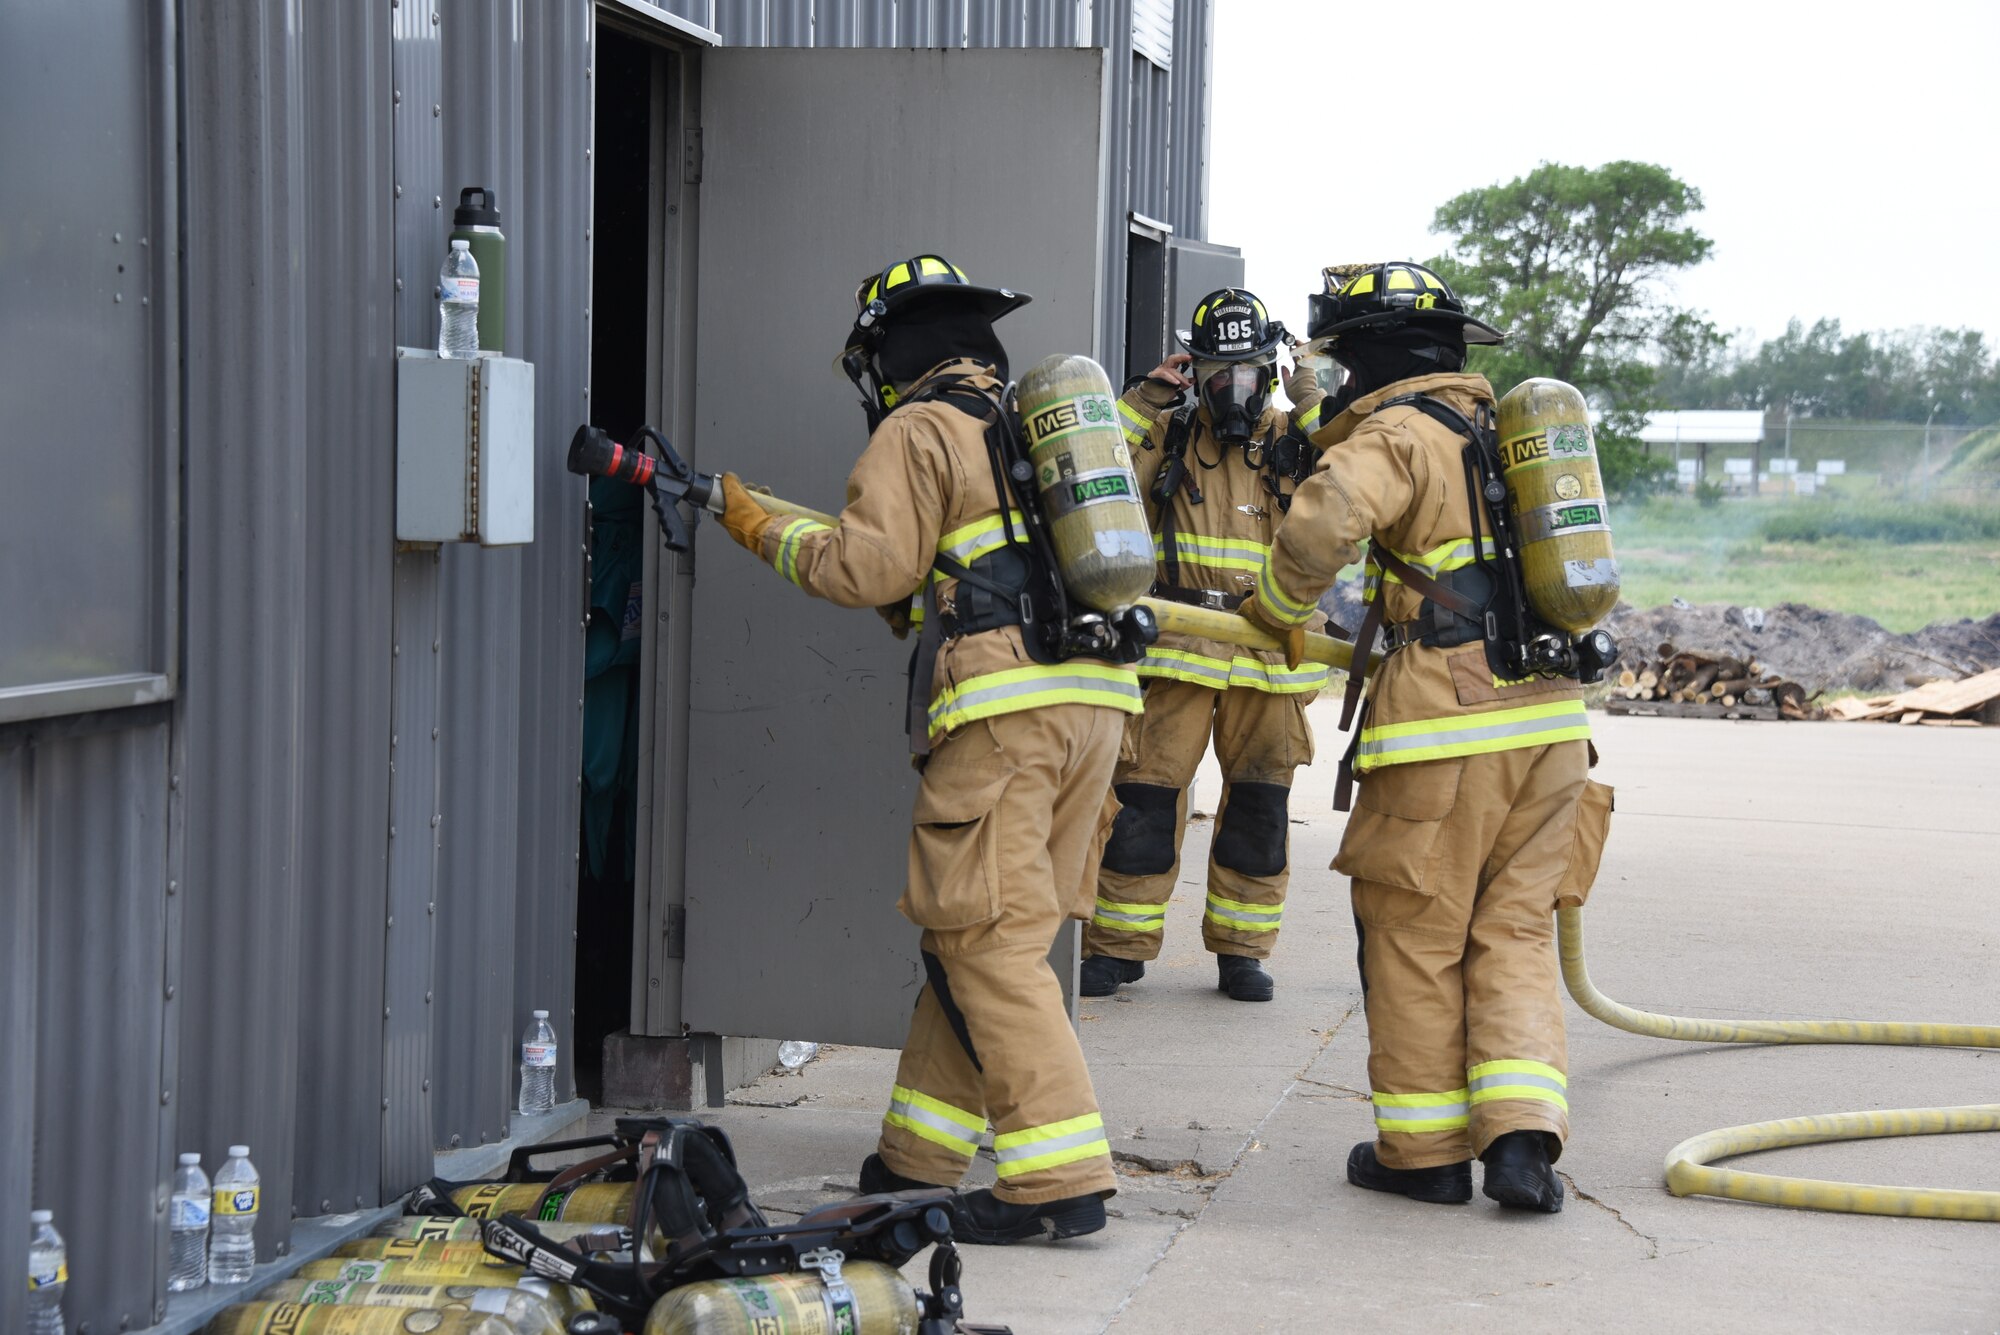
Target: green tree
{"points": [[1570, 261]]}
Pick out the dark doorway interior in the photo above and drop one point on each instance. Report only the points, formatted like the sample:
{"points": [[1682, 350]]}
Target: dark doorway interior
{"points": [[621, 342]]}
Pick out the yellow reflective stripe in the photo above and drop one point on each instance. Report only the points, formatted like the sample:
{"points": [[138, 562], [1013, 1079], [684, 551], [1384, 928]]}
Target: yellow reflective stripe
{"points": [[1472, 734], [935, 1120], [1410, 1113], [1137, 426], [786, 559], [930, 264], [1516, 1078], [1445, 556], [1036, 687], [1131, 910], [1050, 1145], [1253, 673], [971, 541], [1220, 553], [1244, 917], [1276, 601], [1309, 419]]}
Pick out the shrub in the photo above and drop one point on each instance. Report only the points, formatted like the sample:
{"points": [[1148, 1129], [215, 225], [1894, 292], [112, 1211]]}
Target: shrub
{"points": [[1882, 523]]}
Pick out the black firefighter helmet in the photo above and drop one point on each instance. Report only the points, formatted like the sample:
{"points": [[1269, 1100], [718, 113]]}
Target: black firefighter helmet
{"points": [[1388, 296], [1234, 344], [906, 288]]}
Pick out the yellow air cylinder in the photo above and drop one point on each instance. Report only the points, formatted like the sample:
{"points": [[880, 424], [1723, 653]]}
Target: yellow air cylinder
{"points": [[795, 1304], [315, 1319], [592, 1203], [365, 1270], [526, 1312], [461, 1251], [1084, 473], [1550, 467]]}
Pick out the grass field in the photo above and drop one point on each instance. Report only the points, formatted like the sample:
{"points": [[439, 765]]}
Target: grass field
{"points": [[1670, 548]]}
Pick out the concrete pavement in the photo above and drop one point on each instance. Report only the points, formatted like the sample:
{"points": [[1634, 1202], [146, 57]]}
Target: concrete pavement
{"points": [[1782, 870]]}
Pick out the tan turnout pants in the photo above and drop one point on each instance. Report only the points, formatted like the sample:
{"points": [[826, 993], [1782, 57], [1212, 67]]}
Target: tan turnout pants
{"points": [[1457, 868], [1260, 739], [1009, 822]]}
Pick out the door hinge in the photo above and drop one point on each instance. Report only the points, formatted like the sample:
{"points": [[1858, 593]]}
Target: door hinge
{"points": [[677, 931], [691, 157]]}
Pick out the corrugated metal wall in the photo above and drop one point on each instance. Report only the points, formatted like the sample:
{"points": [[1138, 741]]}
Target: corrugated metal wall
{"points": [[308, 905]]}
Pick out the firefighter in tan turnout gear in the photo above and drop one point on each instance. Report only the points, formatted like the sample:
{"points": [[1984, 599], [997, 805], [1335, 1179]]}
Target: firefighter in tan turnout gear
{"points": [[1476, 815], [1008, 817], [1217, 474]]}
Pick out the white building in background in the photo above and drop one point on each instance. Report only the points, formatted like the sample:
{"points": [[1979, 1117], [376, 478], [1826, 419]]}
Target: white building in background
{"points": [[1691, 434]]}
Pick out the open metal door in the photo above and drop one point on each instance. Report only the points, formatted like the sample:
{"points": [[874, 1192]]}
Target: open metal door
{"points": [[816, 168]]}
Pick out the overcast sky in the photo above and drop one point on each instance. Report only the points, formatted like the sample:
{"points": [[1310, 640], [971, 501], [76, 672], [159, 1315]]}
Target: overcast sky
{"points": [[1845, 152]]}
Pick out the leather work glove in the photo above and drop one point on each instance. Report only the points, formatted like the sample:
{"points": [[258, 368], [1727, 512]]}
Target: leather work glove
{"points": [[743, 517], [897, 614], [1292, 637]]}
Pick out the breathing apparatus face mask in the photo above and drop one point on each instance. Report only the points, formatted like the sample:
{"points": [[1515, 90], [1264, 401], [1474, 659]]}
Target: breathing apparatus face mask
{"points": [[1234, 394]]}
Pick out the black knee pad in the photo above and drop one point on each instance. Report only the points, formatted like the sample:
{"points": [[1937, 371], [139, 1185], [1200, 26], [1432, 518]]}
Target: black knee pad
{"points": [[1252, 835], [1142, 838]]}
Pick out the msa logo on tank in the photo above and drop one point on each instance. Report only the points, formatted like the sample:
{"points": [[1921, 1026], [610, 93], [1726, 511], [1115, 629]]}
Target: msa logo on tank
{"points": [[1059, 419], [1562, 519]]}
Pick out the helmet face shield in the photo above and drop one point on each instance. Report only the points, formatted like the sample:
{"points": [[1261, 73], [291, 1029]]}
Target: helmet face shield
{"points": [[1234, 394]]}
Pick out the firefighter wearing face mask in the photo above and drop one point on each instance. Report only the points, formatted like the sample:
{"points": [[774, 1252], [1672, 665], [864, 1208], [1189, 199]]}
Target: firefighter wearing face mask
{"points": [[1010, 813], [1476, 815], [1218, 473]]}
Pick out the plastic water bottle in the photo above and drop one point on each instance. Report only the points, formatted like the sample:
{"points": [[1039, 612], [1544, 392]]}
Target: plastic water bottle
{"points": [[538, 1066], [48, 1274], [232, 1245], [458, 303], [187, 1227], [794, 1053]]}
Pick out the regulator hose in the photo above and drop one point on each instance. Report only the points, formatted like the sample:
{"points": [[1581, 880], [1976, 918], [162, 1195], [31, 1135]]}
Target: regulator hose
{"points": [[1687, 1167]]}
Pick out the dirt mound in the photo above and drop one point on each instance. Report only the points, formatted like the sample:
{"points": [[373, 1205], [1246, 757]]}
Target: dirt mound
{"points": [[1823, 651]]}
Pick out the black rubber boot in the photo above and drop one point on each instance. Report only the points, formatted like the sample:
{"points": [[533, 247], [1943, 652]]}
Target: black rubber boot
{"points": [[1446, 1184], [1519, 1174], [877, 1178], [985, 1220], [1101, 975], [1244, 979]]}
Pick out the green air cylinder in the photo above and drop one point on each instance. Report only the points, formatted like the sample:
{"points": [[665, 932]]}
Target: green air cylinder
{"points": [[476, 221], [1083, 470], [882, 1303], [1549, 464], [527, 1312]]}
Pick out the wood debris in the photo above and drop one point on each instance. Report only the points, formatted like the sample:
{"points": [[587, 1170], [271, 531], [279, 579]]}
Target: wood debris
{"points": [[1965, 703], [1689, 683]]}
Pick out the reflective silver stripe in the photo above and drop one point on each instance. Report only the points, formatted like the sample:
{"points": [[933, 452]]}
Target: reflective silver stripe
{"points": [[1192, 665], [1516, 1078], [1425, 741], [936, 1122], [1396, 1114], [990, 536], [1140, 919], [1035, 685], [1035, 1149], [1259, 919]]}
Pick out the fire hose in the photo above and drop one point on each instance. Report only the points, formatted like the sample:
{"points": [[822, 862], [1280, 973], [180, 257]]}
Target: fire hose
{"points": [[1687, 1166]]}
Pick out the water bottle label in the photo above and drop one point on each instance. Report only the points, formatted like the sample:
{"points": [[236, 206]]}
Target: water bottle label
{"points": [[236, 1200], [190, 1212], [538, 1054], [458, 289], [48, 1279]]}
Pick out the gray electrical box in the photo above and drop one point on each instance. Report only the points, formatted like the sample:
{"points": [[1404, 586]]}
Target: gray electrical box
{"points": [[464, 440]]}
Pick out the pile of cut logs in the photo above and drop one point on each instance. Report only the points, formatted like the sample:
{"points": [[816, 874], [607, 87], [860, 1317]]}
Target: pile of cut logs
{"points": [[1690, 682]]}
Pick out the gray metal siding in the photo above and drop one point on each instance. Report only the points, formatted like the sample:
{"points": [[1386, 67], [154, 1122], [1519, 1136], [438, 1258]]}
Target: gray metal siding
{"points": [[244, 586], [548, 639], [99, 1012], [349, 502], [19, 987]]}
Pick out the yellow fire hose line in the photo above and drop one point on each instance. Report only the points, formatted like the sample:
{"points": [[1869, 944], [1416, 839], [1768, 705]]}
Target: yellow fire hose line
{"points": [[1178, 618], [1687, 1165]]}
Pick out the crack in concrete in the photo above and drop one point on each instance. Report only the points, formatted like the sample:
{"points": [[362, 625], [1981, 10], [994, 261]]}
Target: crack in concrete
{"points": [[1251, 1143], [1652, 1243]]}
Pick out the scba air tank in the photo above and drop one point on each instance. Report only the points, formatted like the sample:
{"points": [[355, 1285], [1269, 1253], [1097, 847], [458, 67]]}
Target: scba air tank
{"points": [[1550, 467], [317, 1319], [1083, 471], [527, 1312], [878, 1301]]}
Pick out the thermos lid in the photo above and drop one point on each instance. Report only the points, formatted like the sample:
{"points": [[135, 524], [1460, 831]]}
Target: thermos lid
{"points": [[476, 208]]}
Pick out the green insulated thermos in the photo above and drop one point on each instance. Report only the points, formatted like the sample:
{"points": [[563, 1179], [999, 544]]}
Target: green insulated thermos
{"points": [[476, 221]]}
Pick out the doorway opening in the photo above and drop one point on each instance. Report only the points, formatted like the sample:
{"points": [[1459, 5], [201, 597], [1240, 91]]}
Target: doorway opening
{"points": [[625, 342]]}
